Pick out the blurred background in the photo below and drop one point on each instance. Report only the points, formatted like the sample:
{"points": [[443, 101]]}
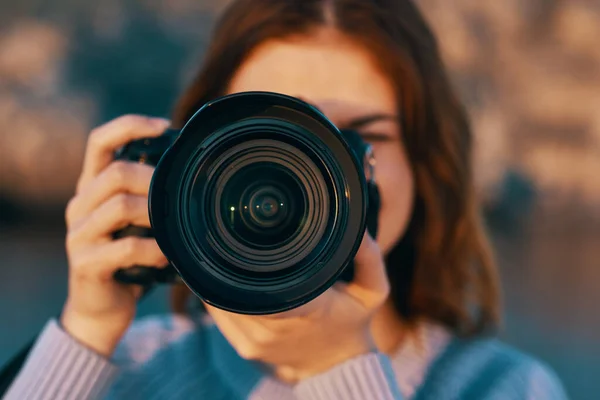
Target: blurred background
{"points": [[529, 72]]}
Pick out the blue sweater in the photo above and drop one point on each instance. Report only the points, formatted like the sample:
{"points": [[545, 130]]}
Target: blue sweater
{"points": [[174, 357]]}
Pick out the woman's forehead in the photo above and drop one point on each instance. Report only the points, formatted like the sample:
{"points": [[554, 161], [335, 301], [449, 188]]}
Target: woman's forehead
{"points": [[338, 77]]}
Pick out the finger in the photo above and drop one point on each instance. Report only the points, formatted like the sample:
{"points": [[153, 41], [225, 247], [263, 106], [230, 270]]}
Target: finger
{"points": [[106, 139], [101, 261], [370, 285], [116, 213], [118, 177]]}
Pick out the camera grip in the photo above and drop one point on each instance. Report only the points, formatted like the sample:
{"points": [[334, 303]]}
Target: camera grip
{"points": [[146, 151], [373, 209], [372, 225], [141, 275]]}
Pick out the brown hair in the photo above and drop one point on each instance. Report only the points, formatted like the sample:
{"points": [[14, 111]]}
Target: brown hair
{"points": [[442, 269]]}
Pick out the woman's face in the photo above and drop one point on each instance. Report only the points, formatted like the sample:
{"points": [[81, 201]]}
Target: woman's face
{"points": [[338, 76]]}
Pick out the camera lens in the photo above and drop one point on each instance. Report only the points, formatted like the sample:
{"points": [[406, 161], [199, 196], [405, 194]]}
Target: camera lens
{"points": [[259, 204], [263, 205]]}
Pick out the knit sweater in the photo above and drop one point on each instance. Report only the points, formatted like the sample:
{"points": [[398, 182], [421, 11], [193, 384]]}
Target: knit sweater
{"points": [[174, 357]]}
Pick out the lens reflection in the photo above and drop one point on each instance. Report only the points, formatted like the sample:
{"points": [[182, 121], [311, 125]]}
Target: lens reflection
{"points": [[267, 207], [263, 205]]}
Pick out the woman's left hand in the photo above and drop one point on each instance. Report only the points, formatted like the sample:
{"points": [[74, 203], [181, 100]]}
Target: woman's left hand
{"points": [[327, 331]]}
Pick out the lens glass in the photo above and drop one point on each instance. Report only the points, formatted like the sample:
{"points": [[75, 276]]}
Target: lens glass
{"points": [[267, 207], [263, 205]]}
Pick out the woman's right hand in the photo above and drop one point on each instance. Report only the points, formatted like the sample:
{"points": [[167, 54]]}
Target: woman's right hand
{"points": [[110, 195]]}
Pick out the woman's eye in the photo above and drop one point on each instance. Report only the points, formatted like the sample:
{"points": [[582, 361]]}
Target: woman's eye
{"points": [[375, 137]]}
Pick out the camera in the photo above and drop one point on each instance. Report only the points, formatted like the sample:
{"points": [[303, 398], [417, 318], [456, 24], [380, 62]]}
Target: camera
{"points": [[259, 203]]}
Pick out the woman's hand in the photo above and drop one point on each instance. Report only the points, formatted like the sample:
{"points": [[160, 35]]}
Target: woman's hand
{"points": [[110, 196], [311, 339]]}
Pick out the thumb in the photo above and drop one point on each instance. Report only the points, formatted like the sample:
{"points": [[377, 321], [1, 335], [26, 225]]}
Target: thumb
{"points": [[370, 278]]}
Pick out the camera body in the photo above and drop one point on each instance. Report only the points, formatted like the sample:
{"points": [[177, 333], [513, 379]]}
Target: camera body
{"points": [[145, 151], [259, 203]]}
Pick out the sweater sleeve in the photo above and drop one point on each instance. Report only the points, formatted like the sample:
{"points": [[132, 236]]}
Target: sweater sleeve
{"points": [[370, 376], [60, 368]]}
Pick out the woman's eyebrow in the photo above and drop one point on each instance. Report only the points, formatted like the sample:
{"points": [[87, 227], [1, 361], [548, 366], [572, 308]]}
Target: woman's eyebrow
{"points": [[361, 122]]}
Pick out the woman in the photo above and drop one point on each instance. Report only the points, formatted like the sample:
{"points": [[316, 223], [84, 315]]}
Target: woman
{"points": [[413, 323]]}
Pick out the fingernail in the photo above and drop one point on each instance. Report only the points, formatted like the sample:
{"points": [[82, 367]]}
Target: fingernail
{"points": [[160, 123]]}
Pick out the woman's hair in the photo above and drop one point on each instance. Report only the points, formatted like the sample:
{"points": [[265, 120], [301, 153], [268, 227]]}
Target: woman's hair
{"points": [[442, 269]]}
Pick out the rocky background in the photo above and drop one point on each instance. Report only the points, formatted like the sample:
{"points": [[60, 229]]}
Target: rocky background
{"points": [[528, 70]]}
